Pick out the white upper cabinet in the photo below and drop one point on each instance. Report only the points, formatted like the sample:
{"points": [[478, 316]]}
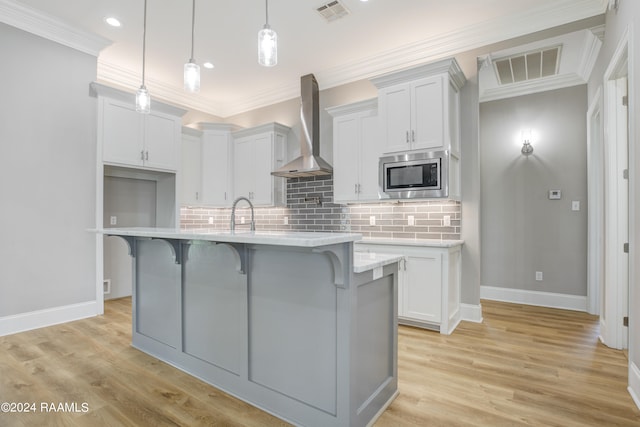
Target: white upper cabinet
{"points": [[191, 167], [257, 152], [419, 107], [356, 149], [217, 155], [129, 138]]}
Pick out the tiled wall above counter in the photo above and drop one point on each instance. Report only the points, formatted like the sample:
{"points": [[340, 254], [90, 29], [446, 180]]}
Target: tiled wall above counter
{"points": [[310, 207]]}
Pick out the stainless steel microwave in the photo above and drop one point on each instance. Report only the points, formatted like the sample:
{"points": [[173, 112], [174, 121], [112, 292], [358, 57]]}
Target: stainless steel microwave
{"points": [[416, 175]]}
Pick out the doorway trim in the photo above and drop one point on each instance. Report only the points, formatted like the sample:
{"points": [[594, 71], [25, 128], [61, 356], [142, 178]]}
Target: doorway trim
{"points": [[615, 295], [595, 188]]}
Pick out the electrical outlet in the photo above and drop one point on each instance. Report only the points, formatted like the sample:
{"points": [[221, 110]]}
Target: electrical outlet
{"points": [[411, 220], [210, 220], [241, 220], [113, 220], [286, 220], [447, 220], [575, 205], [372, 220], [539, 276]]}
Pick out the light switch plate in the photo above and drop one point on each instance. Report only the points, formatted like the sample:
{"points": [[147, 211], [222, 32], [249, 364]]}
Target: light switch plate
{"points": [[575, 205]]}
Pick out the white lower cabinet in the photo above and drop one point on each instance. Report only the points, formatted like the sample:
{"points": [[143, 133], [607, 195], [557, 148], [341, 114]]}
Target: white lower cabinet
{"points": [[428, 284]]}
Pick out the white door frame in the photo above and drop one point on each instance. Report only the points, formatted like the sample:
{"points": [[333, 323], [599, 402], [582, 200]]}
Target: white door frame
{"points": [[595, 185], [615, 296]]}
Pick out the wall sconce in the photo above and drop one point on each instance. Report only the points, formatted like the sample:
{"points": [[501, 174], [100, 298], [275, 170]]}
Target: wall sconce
{"points": [[527, 148]]}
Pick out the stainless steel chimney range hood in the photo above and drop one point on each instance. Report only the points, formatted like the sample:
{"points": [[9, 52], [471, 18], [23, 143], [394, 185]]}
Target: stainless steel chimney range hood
{"points": [[309, 163]]}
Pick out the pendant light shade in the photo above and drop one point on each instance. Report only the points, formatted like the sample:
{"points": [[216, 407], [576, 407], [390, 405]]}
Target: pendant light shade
{"points": [[143, 100], [191, 69], [267, 43]]}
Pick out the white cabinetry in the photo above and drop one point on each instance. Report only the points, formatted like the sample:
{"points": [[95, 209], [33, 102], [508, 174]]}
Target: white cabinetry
{"points": [[128, 138], [428, 284], [419, 107], [191, 167], [257, 152], [356, 150], [217, 155]]}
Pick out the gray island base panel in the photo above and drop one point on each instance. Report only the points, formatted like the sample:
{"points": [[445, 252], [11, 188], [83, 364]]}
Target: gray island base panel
{"points": [[290, 329]]}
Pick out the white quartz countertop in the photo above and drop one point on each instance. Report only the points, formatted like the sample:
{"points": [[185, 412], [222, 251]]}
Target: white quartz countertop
{"points": [[433, 243], [280, 238], [365, 261]]}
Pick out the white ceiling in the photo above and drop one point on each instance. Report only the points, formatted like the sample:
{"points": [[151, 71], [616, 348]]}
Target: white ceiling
{"points": [[377, 37]]}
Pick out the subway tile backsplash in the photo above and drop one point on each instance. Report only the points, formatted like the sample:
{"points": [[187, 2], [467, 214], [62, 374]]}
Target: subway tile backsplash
{"points": [[310, 207]]}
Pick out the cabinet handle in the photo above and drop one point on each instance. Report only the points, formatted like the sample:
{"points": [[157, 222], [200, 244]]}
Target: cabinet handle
{"points": [[407, 137], [225, 195], [413, 136], [141, 154], [146, 157], [355, 188], [197, 195], [359, 190]]}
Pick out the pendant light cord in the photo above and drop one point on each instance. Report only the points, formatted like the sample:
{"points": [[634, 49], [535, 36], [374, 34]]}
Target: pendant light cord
{"points": [[144, 39], [193, 25], [266, 8]]}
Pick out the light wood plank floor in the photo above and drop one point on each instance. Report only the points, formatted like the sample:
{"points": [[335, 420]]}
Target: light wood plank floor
{"points": [[523, 366]]}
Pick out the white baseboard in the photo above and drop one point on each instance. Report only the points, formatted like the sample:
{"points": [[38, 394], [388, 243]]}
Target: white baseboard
{"points": [[543, 299], [634, 383], [471, 312], [50, 316]]}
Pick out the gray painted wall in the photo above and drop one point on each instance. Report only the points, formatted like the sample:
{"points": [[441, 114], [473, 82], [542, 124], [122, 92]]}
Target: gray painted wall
{"points": [[47, 174], [522, 230]]}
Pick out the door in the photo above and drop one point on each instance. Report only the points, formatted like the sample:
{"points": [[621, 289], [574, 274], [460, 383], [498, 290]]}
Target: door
{"points": [[243, 170], [215, 169], [370, 152], [346, 153], [615, 295], [395, 117], [122, 134], [427, 109], [160, 142], [423, 291]]}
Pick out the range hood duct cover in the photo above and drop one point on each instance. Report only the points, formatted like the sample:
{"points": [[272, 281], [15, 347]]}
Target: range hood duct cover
{"points": [[309, 163]]}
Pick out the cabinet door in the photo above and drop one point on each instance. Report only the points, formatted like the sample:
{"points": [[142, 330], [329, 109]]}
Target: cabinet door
{"points": [[427, 114], [121, 134], [395, 117], [369, 155], [191, 170], [243, 171], [160, 141], [422, 291], [345, 158], [216, 190], [263, 185]]}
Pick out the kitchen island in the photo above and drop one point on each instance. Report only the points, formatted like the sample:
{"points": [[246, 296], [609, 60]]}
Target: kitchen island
{"points": [[293, 323]]}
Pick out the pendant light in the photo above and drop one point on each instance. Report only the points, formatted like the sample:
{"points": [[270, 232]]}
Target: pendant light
{"points": [[191, 69], [267, 43], [143, 101]]}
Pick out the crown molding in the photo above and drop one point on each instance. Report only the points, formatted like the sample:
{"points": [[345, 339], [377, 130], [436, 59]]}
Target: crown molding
{"points": [[35, 22], [590, 51], [421, 52]]}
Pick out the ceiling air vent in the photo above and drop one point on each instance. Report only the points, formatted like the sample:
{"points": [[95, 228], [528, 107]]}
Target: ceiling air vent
{"points": [[528, 66], [332, 11]]}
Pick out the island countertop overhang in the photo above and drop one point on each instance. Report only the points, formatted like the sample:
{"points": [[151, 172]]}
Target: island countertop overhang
{"points": [[277, 238]]}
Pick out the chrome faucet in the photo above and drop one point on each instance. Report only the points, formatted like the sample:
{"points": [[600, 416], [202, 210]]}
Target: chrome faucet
{"points": [[233, 214]]}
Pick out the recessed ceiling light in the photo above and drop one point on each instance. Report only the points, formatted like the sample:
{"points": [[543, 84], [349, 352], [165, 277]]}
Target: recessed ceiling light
{"points": [[114, 22], [208, 65]]}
